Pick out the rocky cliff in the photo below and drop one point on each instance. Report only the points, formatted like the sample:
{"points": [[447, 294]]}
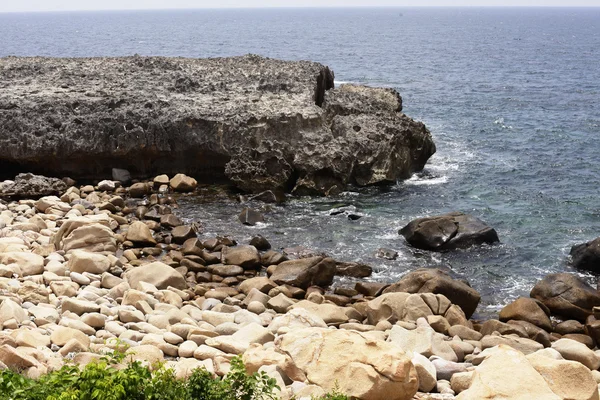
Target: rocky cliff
{"points": [[258, 122]]}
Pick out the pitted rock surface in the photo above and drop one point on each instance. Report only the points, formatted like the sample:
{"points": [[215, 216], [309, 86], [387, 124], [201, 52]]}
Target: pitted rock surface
{"points": [[263, 124]]}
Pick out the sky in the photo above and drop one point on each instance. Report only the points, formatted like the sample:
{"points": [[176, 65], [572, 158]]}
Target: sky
{"points": [[70, 5]]}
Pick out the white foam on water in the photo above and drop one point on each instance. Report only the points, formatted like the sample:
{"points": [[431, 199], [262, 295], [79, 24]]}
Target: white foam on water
{"points": [[417, 180]]}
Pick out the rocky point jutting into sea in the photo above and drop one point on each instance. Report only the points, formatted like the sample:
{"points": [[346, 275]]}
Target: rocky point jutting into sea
{"points": [[97, 260], [261, 123]]}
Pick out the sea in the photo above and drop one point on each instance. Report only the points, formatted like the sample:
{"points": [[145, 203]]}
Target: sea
{"points": [[510, 95]]}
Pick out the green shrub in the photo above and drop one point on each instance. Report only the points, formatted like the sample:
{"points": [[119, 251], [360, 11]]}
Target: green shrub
{"points": [[101, 380]]}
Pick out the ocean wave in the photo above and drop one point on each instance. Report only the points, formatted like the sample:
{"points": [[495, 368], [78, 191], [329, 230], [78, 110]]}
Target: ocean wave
{"points": [[417, 180]]}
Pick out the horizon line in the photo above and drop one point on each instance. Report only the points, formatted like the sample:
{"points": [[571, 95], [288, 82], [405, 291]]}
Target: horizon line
{"points": [[291, 7]]}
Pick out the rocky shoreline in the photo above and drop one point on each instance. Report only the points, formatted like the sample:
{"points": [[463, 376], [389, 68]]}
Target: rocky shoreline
{"points": [[258, 123], [98, 266]]}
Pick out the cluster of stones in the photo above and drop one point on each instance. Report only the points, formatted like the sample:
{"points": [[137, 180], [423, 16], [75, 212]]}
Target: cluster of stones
{"points": [[106, 266]]}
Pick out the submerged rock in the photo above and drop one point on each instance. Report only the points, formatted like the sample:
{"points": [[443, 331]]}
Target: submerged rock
{"points": [[263, 124], [448, 232]]}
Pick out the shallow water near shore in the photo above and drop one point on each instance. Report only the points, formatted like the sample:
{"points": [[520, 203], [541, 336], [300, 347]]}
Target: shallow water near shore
{"points": [[511, 96]]}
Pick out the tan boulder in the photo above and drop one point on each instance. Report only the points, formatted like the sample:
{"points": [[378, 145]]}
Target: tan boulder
{"points": [[422, 340], [83, 261], [567, 379], [33, 293], [158, 274], [530, 310], [426, 372], [296, 318], [91, 233], [398, 306], [257, 356], [11, 310], [30, 338], [305, 272], [29, 263], [253, 333], [79, 306], [246, 257], [506, 374], [62, 334], [575, 351], [329, 313], [64, 288], [139, 233], [524, 345], [183, 183], [16, 360], [147, 354], [261, 283], [360, 367]]}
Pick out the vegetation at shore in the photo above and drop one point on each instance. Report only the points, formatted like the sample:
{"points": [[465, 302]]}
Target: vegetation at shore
{"points": [[110, 379]]}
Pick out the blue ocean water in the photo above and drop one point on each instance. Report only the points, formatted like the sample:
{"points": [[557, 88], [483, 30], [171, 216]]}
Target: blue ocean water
{"points": [[511, 96]]}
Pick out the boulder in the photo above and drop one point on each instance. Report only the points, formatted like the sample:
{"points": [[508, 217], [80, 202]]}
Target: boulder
{"points": [[9, 310], [296, 318], [139, 233], [575, 351], [246, 257], [182, 233], [426, 372], [566, 295], [121, 175], [29, 263], [506, 374], [329, 313], [400, 306], [83, 261], [587, 255], [352, 269], [16, 360], [183, 183], [426, 280], [62, 335], [524, 345], [92, 237], [530, 310], [422, 340], [257, 356], [447, 232], [32, 186], [158, 274], [567, 379], [260, 242], [264, 124], [305, 272], [373, 370], [262, 283], [250, 217]]}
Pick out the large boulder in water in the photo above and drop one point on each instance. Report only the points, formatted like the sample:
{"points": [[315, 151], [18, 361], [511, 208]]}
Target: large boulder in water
{"points": [[566, 295], [587, 255], [263, 124], [448, 232], [426, 280]]}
